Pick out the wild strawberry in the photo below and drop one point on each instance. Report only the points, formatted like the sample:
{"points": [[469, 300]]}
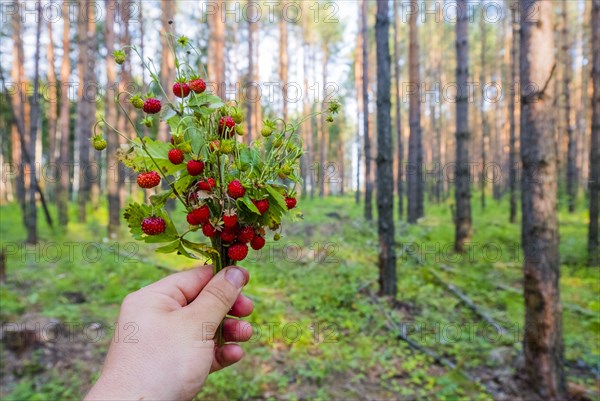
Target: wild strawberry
{"points": [[226, 126], [176, 156], [237, 116], [208, 230], [214, 146], [246, 234], [257, 242], [229, 234], [198, 216], [137, 101], [119, 56], [237, 251], [262, 205], [229, 221], [153, 225], [235, 189], [148, 180], [227, 146], [290, 202], [197, 85], [152, 106], [181, 89], [99, 143], [206, 185], [195, 167]]}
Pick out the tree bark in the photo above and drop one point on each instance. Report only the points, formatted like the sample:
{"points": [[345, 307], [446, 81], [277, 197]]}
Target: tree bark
{"points": [[283, 61], [365, 101], [86, 107], [571, 138], [167, 61], [415, 150], [62, 195], [323, 130], [216, 49], [52, 102], [112, 178], [35, 117], [463, 139], [249, 103], [400, 143], [484, 123], [512, 156], [385, 174], [594, 186], [360, 108], [542, 342]]}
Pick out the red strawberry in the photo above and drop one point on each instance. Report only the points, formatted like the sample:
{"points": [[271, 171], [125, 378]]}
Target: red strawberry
{"points": [[262, 205], [152, 106], [208, 230], [229, 221], [235, 189], [153, 225], [206, 185], [214, 146], [148, 180], [246, 234], [197, 85], [226, 126], [237, 251], [229, 234], [198, 216], [181, 89], [290, 202], [195, 167], [257, 242], [176, 156]]}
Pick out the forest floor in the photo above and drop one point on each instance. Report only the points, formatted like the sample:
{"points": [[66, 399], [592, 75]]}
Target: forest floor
{"points": [[320, 330]]}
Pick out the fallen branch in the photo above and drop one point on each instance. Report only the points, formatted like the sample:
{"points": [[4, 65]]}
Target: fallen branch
{"points": [[469, 303], [401, 335]]}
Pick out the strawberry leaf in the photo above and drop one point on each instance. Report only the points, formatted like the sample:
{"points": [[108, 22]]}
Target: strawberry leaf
{"points": [[203, 249], [159, 161], [245, 200], [276, 196], [158, 200], [169, 248]]}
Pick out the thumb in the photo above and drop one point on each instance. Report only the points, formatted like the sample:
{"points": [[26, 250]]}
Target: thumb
{"points": [[219, 295]]}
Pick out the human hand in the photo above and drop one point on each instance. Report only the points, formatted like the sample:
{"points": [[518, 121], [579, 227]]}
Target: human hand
{"points": [[177, 318]]}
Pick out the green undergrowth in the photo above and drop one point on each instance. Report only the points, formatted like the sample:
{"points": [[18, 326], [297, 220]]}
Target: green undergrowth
{"points": [[320, 331]]}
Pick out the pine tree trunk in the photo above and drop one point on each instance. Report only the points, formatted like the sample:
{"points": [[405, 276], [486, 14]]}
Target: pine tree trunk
{"points": [[283, 61], [35, 117], [415, 155], [400, 143], [512, 156], [62, 195], [216, 49], [462, 177], [167, 61], [365, 101], [385, 174], [86, 107], [571, 138], [542, 342], [112, 178], [252, 128], [484, 123], [52, 103], [359, 106], [323, 130], [594, 186], [18, 105]]}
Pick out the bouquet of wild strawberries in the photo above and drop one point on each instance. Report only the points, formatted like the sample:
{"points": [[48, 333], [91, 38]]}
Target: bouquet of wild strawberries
{"points": [[232, 192]]}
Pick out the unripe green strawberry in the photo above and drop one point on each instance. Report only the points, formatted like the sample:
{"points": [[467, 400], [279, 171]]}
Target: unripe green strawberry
{"points": [[147, 122], [266, 131], [227, 146], [119, 56], [186, 147], [99, 143], [237, 116], [278, 141], [239, 129], [276, 237], [137, 101], [330, 118]]}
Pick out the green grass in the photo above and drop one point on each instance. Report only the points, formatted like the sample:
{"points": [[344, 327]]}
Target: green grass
{"points": [[318, 334]]}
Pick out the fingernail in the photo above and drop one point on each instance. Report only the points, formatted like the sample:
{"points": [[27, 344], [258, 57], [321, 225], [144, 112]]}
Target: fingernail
{"points": [[236, 277]]}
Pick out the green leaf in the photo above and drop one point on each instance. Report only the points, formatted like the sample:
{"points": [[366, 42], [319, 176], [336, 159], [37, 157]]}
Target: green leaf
{"points": [[136, 212], [248, 202], [277, 197], [158, 200], [184, 252], [169, 248], [159, 151], [203, 249], [183, 182]]}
